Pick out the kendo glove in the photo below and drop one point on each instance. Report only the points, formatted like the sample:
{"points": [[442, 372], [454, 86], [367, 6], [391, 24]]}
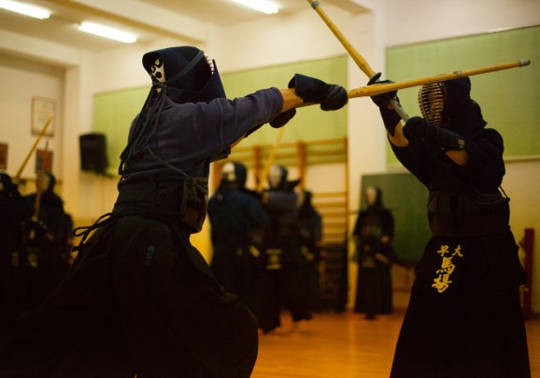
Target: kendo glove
{"points": [[389, 115], [417, 129], [282, 118], [330, 96]]}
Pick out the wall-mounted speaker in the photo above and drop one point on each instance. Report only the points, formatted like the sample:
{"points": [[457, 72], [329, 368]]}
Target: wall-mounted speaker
{"points": [[93, 152]]}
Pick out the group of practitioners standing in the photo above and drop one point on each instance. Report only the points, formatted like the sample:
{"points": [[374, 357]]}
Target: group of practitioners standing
{"points": [[266, 245], [35, 252]]}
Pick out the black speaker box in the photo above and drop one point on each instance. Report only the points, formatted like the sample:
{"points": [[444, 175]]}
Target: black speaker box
{"points": [[93, 152]]}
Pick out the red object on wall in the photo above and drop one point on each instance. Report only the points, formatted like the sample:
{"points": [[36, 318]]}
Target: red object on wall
{"points": [[44, 161], [527, 243], [3, 155]]}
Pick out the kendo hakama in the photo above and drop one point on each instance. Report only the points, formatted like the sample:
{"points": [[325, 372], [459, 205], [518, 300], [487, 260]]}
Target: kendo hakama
{"points": [[49, 240], [237, 220], [373, 232], [464, 317], [283, 285], [310, 231]]}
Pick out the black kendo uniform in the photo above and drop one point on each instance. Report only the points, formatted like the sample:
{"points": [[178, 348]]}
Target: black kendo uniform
{"points": [[48, 242], [374, 256], [238, 220], [464, 317], [282, 257], [139, 297], [310, 228], [14, 215]]}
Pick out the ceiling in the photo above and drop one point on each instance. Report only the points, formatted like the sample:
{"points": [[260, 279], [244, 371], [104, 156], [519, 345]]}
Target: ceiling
{"points": [[61, 27], [227, 12]]}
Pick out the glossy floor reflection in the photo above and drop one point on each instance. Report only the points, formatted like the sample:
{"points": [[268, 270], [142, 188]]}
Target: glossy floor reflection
{"points": [[345, 345]]}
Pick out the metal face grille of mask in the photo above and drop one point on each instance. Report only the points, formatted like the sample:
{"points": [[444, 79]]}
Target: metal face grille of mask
{"points": [[431, 98], [228, 172], [275, 176]]}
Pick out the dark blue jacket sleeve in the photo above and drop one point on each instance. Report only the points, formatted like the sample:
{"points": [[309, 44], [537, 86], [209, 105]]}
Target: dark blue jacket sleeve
{"points": [[485, 164], [191, 135], [417, 159], [208, 129]]}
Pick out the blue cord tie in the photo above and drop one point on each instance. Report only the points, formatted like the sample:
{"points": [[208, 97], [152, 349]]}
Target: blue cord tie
{"points": [[149, 255]]}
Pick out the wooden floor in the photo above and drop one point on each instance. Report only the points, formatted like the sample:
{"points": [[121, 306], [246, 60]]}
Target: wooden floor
{"points": [[345, 345]]}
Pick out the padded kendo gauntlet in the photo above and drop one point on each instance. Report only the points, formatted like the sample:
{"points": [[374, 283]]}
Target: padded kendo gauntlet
{"points": [[388, 114], [417, 129], [330, 96]]}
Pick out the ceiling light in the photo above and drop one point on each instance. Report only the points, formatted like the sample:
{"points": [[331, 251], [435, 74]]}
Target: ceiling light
{"points": [[107, 32], [26, 9], [261, 5]]}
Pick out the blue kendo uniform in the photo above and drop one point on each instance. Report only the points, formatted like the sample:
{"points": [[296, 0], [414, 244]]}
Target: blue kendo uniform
{"points": [[14, 217], [48, 244], [310, 226], [140, 299], [283, 259], [464, 317], [238, 220]]}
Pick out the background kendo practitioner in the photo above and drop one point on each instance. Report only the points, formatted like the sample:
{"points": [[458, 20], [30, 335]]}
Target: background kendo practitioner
{"points": [[238, 220], [310, 229], [14, 215], [464, 317], [49, 240], [373, 233], [282, 255], [140, 298]]}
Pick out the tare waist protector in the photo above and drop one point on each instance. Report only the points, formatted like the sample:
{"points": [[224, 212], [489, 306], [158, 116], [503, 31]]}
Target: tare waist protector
{"points": [[182, 200], [467, 214]]}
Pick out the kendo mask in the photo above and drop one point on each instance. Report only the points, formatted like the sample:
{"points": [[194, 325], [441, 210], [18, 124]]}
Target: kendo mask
{"points": [[373, 196], [234, 173], [188, 74], [277, 177], [7, 187], [45, 182], [448, 104]]}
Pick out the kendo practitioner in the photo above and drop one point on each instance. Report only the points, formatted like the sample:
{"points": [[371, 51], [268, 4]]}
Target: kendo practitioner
{"points": [[464, 317], [310, 228], [140, 299], [14, 215], [238, 221], [48, 238], [373, 233], [282, 257]]}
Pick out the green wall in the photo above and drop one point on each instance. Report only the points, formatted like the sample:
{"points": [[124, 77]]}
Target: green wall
{"points": [[114, 111], [510, 99]]}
